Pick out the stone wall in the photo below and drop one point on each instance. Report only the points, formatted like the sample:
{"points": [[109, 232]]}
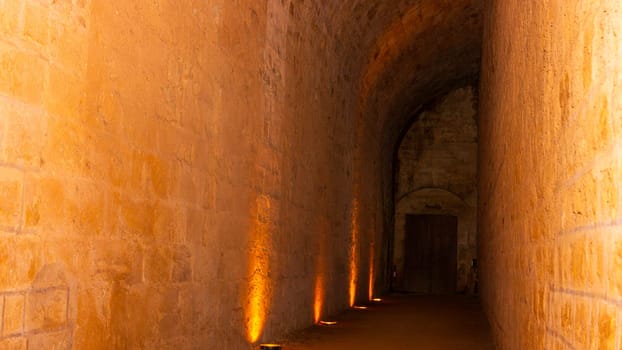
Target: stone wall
{"points": [[177, 167], [550, 169], [437, 174], [184, 174]]}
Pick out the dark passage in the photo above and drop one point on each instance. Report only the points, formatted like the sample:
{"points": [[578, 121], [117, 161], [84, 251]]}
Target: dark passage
{"points": [[430, 254]]}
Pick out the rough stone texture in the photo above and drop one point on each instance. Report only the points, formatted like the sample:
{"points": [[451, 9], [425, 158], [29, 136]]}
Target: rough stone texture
{"points": [[193, 171], [152, 152], [550, 170], [437, 174]]}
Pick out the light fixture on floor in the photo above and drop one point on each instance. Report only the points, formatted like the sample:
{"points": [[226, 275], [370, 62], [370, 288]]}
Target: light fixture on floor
{"points": [[328, 323], [270, 347], [359, 307], [376, 300]]}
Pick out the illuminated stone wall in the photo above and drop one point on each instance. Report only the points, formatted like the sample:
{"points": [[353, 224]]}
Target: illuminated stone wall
{"points": [[188, 174], [436, 174], [550, 170], [171, 175]]}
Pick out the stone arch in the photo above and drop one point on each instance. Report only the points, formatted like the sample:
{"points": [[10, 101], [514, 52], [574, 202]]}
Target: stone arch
{"points": [[437, 201]]}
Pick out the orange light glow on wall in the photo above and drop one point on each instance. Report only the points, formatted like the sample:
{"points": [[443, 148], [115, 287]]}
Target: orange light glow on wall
{"points": [[353, 281], [319, 298], [259, 288], [320, 289], [371, 272], [353, 252]]}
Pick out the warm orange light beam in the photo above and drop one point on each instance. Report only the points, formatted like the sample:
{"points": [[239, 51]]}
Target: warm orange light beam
{"points": [[353, 252], [259, 293], [370, 292], [319, 298], [319, 288]]}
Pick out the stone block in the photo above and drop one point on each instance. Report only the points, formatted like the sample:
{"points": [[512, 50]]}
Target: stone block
{"points": [[606, 327], [64, 94], [10, 15], [44, 202], [595, 264], [135, 173], [84, 207], [158, 175], [182, 265], [188, 185], [11, 197], [136, 303], [119, 260], [19, 343], [64, 145], [135, 217], [13, 322], [25, 127], [51, 340], [614, 255], [36, 21], [170, 223], [68, 44], [582, 321], [90, 317], [22, 74], [108, 111], [158, 265], [577, 264], [62, 7], [46, 309], [20, 259], [196, 226]]}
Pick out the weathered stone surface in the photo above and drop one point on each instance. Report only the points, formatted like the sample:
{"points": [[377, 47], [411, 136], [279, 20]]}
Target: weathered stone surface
{"points": [[60, 340], [550, 210], [20, 260], [13, 318], [11, 189], [46, 309], [138, 139], [197, 165], [19, 343]]}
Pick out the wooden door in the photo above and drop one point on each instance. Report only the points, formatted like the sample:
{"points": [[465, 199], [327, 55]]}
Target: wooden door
{"points": [[430, 254]]}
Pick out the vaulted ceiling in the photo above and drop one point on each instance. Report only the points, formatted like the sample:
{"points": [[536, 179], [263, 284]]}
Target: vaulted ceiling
{"points": [[404, 53]]}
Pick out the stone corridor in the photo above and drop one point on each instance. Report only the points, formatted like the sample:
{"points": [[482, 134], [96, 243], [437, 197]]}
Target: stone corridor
{"points": [[184, 174]]}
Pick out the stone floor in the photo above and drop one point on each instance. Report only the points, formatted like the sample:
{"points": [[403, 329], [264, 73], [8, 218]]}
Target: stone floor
{"points": [[403, 322]]}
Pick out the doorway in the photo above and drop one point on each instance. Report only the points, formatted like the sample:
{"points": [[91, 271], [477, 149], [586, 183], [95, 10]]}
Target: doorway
{"points": [[430, 248]]}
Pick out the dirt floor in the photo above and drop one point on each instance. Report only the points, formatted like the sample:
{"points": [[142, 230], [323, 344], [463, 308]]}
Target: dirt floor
{"points": [[403, 322]]}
